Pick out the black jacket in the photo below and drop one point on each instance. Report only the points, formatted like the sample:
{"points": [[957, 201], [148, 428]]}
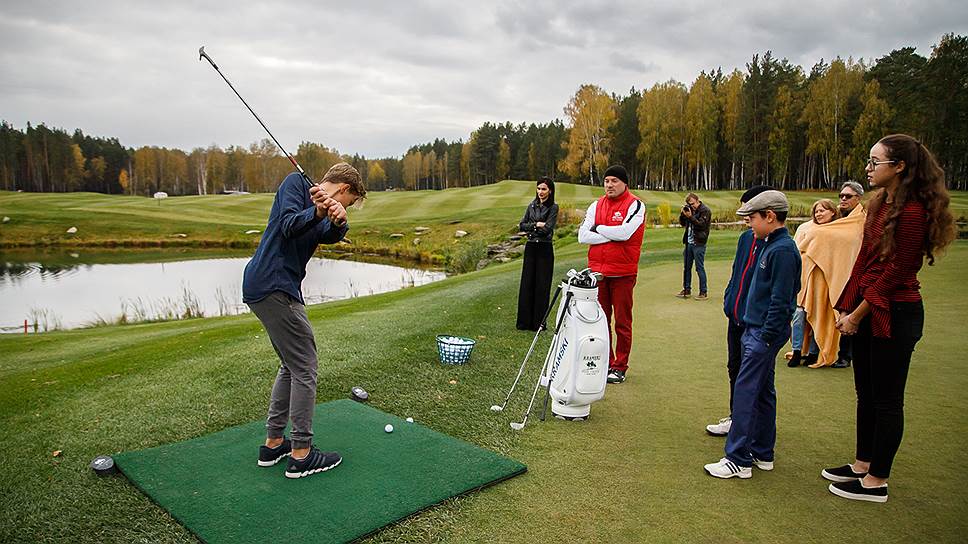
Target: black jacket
{"points": [[700, 221], [539, 213]]}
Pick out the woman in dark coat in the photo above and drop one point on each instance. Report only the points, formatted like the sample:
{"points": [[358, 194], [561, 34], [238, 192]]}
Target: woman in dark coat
{"points": [[539, 256]]}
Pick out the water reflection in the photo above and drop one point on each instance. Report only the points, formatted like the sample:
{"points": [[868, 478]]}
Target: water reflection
{"points": [[56, 293]]}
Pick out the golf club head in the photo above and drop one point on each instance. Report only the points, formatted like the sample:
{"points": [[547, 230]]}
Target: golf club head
{"points": [[517, 426], [496, 408]]}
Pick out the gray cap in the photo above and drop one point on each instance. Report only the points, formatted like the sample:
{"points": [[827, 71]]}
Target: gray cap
{"points": [[767, 200]]}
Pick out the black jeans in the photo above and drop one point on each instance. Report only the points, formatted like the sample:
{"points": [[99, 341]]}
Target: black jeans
{"points": [[734, 350], [880, 374], [535, 288]]}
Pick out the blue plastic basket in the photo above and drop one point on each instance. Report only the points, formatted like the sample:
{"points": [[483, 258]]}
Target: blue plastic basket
{"points": [[454, 350]]}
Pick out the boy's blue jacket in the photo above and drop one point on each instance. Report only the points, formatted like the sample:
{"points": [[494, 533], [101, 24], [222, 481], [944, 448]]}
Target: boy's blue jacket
{"points": [[289, 241], [739, 285], [776, 282]]}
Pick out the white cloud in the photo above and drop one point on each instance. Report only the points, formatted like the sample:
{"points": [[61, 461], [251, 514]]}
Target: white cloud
{"points": [[376, 77]]}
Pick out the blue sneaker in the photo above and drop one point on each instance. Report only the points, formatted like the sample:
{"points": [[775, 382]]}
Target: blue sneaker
{"points": [[316, 461], [270, 456]]}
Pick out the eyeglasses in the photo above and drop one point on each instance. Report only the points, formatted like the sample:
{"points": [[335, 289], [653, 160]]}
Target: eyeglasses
{"points": [[847, 196], [872, 163]]}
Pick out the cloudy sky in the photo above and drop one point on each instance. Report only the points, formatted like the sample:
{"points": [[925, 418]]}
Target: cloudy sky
{"points": [[376, 77]]}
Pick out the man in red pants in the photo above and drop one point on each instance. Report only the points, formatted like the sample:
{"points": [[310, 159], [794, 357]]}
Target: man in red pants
{"points": [[613, 227]]}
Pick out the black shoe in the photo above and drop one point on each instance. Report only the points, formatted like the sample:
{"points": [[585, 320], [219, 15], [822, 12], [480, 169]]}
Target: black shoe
{"points": [[795, 360], [615, 376], [855, 490], [270, 456], [316, 461], [841, 363], [811, 358], [842, 474]]}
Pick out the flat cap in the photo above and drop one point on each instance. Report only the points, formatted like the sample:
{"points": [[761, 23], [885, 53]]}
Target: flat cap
{"points": [[767, 200]]}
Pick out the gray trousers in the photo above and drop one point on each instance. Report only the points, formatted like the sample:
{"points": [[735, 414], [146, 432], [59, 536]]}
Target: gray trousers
{"points": [[294, 392]]}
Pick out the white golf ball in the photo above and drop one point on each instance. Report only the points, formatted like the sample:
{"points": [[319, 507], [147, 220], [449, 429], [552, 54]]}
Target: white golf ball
{"points": [[388, 428], [409, 420]]}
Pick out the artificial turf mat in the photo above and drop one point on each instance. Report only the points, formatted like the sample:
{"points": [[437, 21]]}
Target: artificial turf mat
{"points": [[213, 486]]}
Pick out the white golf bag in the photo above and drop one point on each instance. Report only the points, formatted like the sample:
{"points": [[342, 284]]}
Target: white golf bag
{"points": [[578, 359], [576, 366]]}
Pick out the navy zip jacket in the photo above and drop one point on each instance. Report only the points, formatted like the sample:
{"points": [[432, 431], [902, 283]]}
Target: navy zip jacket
{"points": [[776, 282], [289, 241], [734, 299]]}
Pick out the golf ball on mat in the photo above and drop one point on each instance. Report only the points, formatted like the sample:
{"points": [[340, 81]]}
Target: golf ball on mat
{"points": [[409, 420], [388, 428]]}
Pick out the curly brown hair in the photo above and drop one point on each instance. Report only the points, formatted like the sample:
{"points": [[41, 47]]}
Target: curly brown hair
{"points": [[922, 180]]}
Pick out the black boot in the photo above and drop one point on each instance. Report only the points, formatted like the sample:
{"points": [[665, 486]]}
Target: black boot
{"points": [[810, 359], [795, 360]]}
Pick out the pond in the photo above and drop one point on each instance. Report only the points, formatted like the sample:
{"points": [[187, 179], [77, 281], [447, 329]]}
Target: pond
{"points": [[72, 289]]}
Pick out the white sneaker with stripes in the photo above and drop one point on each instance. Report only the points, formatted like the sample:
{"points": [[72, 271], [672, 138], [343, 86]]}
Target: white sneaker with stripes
{"points": [[725, 468]]}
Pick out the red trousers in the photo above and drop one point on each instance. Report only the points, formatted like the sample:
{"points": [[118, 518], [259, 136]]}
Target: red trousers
{"points": [[615, 296]]}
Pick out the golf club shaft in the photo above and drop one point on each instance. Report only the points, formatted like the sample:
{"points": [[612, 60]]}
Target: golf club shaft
{"points": [[568, 295], [202, 54], [541, 328]]}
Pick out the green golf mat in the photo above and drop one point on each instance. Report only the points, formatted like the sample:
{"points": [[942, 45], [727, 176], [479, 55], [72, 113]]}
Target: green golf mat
{"points": [[213, 486]]}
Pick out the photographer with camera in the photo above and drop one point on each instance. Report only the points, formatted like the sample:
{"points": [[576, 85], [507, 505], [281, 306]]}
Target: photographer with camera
{"points": [[696, 218]]}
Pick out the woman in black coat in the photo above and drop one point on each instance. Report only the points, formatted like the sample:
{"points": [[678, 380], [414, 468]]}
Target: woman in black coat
{"points": [[539, 256]]}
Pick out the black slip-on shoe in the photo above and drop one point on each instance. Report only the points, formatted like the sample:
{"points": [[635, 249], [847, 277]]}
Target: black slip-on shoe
{"points": [[841, 363], [842, 474], [855, 490], [315, 461], [270, 456]]}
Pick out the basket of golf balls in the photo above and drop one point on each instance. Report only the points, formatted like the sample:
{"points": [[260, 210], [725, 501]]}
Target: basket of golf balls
{"points": [[454, 350]]}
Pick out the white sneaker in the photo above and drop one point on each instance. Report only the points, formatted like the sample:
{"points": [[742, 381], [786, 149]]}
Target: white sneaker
{"points": [[728, 469], [721, 428], [763, 465]]}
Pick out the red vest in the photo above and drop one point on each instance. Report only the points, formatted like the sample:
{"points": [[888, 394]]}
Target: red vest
{"points": [[617, 258]]}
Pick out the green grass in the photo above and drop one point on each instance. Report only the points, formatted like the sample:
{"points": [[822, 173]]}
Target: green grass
{"points": [[487, 213], [633, 473]]}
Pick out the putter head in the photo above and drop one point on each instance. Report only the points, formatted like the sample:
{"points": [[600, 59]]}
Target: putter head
{"points": [[517, 426], [496, 408], [203, 55]]}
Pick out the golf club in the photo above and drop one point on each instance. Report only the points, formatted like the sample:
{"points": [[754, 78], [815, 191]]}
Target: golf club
{"points": [[543, 326], [542, 378], [203, 55]]}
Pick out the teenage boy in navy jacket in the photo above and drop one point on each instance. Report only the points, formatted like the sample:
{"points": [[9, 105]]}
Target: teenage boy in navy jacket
{"points": [[769, 307], [734, 302], [301, 218]]}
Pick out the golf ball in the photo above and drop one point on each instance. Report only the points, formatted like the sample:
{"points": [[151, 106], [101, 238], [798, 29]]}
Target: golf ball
{"points": [[388, 428], [409, 420]]}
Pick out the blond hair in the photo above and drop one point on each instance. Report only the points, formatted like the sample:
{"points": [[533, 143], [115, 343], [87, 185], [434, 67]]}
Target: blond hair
{"points": [[344, 173], [825, 203]]}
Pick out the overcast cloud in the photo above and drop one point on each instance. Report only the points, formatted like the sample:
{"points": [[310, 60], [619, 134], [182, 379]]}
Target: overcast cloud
{"points": [[376, 77]]}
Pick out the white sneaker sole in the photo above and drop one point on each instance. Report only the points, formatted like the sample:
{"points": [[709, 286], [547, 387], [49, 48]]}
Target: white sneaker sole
{"points": [[855, 496], [313, 471], [713, 430], [276, 461], [763, 465], [834, 478], [742, 474]]}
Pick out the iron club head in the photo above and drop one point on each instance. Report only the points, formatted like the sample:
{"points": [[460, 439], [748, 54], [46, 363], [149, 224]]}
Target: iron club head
{"points": [[517, 426], [496, 408]]}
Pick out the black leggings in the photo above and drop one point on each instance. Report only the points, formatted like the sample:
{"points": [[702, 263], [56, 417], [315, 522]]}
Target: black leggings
{"points": [[535, 289], [880, 374]]}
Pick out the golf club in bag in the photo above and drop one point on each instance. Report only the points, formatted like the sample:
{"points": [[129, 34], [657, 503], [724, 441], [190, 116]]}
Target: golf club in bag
{"points": [[576, 365]]}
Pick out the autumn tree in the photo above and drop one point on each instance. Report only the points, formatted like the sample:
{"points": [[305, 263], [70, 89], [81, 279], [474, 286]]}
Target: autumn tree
{"points": [[591, 114]]}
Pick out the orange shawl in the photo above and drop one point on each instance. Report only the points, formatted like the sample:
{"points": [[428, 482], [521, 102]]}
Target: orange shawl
{"points": [[828, 253]]}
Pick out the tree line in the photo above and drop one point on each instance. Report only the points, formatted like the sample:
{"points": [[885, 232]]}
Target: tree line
{"points": [[772, 123]]}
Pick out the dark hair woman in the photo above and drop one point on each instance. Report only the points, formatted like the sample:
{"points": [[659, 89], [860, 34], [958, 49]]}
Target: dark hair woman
{"points": [[539, 256], [908, 219]]}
